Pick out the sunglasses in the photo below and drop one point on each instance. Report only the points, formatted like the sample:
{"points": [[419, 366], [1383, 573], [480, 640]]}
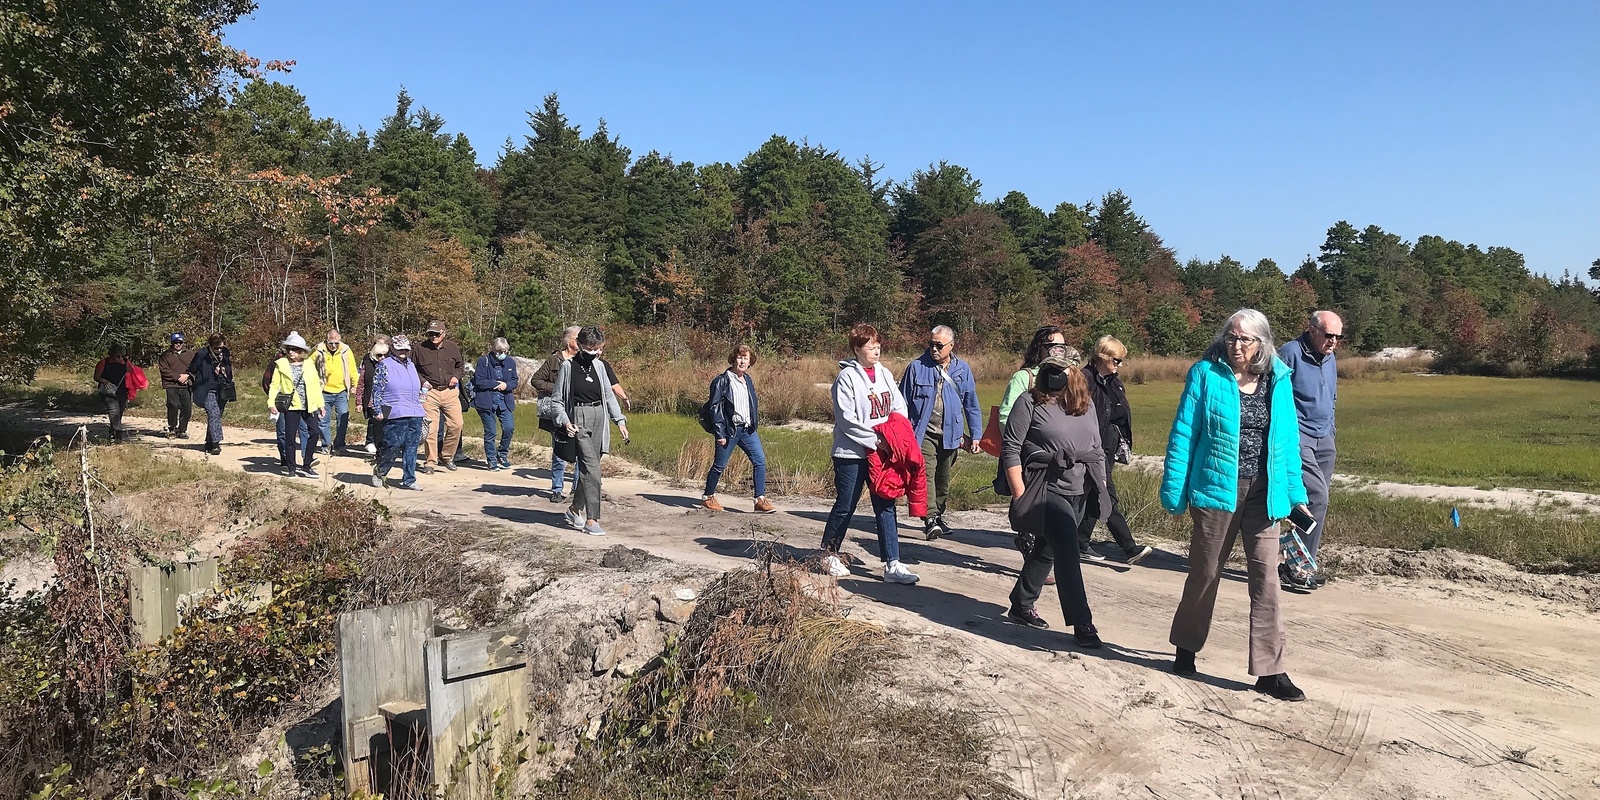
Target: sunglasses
{"points": [[936, 346], [1334, 336], [1058, 346], [1116, 361]]}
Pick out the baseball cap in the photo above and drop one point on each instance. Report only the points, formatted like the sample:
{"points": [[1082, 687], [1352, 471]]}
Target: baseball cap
{"points": [[176, 337], [400, 342], [436, 326]]}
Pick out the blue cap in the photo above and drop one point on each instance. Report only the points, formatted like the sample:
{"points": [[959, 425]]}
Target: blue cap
{"points": [[176, 337]]}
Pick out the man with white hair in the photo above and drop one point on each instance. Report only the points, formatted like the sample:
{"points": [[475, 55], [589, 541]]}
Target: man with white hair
{"points": [[1316, 389], [942, 403]]}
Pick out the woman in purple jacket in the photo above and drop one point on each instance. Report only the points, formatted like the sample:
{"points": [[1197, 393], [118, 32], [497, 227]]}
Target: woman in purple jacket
{"points": [[399, 406]]}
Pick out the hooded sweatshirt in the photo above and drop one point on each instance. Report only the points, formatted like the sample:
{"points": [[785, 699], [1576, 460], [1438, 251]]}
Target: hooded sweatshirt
{"points": [[861, 404]]}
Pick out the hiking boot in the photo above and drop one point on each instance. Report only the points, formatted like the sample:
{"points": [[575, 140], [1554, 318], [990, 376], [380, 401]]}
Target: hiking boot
{"points": [[930, 529], [574, 520], [944, 527], [1137, 554], [557, 497], [1088, 636], [833, 566], [1027, 616], [592, 527], [896, 572], [1090, 554], [1184, 663], [1280, 686], [1291, 578], [765, 506], [710, 503]]}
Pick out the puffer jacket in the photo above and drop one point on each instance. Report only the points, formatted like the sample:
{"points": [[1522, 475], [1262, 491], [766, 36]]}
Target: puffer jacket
{"points": [[902, 472], [1202, 468]]}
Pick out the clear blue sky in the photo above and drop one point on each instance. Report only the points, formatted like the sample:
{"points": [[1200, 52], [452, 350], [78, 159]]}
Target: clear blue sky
{"points": [[1238, 128]]}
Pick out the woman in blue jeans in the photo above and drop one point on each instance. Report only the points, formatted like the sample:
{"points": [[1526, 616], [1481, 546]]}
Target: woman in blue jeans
{"points": [[864, 395], [734, 411], [494, 378]]}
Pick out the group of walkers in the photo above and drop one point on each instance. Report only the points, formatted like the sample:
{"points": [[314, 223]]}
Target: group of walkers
{"points": [[1253, 439]]}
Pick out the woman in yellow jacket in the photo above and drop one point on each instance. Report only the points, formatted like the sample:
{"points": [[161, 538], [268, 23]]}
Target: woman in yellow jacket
{"points": [[296, 393]]}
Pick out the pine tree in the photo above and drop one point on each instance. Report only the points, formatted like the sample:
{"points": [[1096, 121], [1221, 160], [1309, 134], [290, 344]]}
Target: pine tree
{"points": [[528, 323]]}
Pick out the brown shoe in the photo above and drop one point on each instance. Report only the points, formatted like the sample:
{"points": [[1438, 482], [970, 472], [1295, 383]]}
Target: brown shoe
{"points": [[1050, 580], [711, 504], [765, 506]]}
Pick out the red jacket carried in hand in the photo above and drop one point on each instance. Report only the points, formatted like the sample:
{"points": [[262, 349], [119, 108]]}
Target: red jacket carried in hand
{"points": [[901, 471]]}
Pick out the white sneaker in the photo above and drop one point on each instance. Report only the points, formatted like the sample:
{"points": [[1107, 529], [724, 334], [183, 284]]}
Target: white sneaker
{"points": [[833, 566], [896, 572], [372, 449], [575, 520]]}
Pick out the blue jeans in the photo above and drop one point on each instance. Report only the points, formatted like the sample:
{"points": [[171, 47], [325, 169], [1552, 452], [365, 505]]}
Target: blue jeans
{"points": [[747, 440], [849, 478], [401, 437], [507, 424], [283, 436], [335, 403], [558, 472]]}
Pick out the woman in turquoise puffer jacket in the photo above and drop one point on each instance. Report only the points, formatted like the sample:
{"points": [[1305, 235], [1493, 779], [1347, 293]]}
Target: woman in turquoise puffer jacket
{"points": [[1233, 461]]}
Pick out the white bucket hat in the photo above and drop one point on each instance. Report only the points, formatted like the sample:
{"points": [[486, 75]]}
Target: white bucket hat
{"points": [[296, 341]]}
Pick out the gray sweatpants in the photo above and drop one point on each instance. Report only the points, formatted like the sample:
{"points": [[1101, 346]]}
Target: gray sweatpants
{"points": [[1316, 468], [1209, 544], [593, 421]]}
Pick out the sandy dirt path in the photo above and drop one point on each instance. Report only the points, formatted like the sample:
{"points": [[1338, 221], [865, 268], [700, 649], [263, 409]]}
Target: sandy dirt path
{"points": [[1414, 692]]}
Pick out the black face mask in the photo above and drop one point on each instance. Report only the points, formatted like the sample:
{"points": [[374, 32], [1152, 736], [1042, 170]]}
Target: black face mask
{"points": [[1052, 380], [583, 359]]}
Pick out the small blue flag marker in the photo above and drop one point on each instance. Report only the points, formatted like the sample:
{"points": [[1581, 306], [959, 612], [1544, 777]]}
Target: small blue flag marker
{"points": [[1455, 517]]}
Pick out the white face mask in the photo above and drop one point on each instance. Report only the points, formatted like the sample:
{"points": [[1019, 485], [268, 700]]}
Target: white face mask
{"points": [[591, 352]]}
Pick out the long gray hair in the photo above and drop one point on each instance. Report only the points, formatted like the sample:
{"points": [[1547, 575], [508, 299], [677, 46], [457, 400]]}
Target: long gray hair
{"points": [[1253, 323]]}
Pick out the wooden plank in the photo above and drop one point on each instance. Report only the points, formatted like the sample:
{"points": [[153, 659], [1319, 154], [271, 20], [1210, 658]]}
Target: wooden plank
{"points": [[159, 595], [144, 598], [469, 654], [380, 661], [364, 733], [488, 706]]}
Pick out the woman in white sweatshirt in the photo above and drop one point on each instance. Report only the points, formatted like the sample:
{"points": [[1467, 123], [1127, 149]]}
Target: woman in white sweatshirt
{"points": [[864, 395]]}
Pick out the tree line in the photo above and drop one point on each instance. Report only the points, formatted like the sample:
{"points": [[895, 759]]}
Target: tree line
{"points": [[201, 195]]}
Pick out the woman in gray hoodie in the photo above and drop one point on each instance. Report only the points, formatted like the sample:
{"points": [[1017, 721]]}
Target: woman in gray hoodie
{"points": [[864, 395]]}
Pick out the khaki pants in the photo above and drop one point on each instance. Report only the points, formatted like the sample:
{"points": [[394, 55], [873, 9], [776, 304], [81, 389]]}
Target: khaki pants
{"points": [[442, 404], [1209, 544]]}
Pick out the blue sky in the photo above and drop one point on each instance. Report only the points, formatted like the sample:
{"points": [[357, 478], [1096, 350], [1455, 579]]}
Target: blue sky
{"points": [[1244, 129]]}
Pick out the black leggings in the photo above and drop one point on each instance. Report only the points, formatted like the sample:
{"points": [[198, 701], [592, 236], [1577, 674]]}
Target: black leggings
{"points": [[291, 437], [1060, 536]]}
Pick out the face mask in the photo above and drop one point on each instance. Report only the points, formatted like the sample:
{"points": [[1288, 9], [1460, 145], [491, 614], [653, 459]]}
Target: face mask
{"points": [[499, 356], [402, 354], [591, 353]]}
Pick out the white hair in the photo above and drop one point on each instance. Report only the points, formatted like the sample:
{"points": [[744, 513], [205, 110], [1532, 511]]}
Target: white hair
{"points": [[1319, 319], [501, 345], [570, 334], [1255, 325], [944, 329]]}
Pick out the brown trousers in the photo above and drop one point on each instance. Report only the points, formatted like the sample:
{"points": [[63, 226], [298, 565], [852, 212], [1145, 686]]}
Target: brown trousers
{"points": [[441, 406], [1209, 546]]}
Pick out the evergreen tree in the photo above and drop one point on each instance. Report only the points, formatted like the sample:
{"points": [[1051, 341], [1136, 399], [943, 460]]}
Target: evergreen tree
{"points": [[432, 175], [1120, 232], [528, 323]]}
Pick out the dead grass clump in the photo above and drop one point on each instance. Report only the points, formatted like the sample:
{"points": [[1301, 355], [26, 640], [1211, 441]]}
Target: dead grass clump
{"points": [[770, 691], [696, 455], [1357, 368]]}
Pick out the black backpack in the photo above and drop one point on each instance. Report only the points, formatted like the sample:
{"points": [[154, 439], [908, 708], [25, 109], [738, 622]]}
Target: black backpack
{"points": [[708, 423]]}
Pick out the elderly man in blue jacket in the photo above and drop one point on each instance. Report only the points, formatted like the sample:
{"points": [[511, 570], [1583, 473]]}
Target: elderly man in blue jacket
{"points": [[942, 402], [1316, 390]]}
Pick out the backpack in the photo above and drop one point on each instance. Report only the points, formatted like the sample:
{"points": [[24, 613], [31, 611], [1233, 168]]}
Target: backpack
{"points": [[708, 422]]}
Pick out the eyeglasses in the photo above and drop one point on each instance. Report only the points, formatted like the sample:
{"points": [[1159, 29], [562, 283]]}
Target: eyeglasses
{"points": [[1231, 340], [434, 334], [1334, 336], [937, 346]]}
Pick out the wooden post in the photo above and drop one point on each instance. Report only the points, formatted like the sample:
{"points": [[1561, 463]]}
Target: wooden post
{"points": [[380, 664], [477, 693], [158, 595]]}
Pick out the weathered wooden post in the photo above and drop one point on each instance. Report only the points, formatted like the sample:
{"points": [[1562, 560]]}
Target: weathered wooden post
{"points": [[159, 595], [384, 685], [477, 707]]}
